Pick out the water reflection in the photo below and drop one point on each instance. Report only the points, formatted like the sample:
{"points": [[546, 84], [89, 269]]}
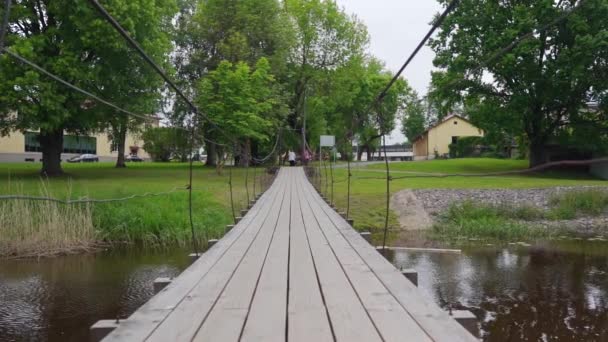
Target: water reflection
{"points": [[58, 299], [551, 291]]}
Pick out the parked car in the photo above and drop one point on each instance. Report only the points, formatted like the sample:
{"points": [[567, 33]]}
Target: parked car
{"points": [[133, 158], [84, 158]]}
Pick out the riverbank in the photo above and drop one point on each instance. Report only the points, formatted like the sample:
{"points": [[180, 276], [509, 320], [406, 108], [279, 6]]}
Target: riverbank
{"points": [[152, 207], [517, 213], [368, 185]]}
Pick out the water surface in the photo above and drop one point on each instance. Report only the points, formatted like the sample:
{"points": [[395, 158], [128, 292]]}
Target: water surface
{"points": [[551, 291], [58, 299]]}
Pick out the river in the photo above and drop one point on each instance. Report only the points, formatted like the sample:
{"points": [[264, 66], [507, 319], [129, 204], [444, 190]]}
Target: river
{"points": [[546, 292]]}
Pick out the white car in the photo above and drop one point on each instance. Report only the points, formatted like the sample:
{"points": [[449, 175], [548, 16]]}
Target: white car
{"points": [[84, 158]]}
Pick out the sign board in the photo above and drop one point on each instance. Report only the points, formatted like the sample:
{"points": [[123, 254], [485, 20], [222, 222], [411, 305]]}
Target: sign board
{"points": [[328, 141]]}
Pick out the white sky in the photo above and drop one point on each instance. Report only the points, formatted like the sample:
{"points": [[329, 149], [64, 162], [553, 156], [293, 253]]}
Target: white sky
{"points": [[395, 28]]}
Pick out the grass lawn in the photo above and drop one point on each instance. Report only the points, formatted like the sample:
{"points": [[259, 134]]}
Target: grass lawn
{"points": [[368, 197], [158, 220]]}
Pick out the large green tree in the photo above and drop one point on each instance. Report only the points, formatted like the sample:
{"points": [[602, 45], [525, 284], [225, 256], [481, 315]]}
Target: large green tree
{"points": [[326, 40], [243, 104], [535, 88], [212, 31], [68, 38], [414, 118], [349, 95], [123, 77]]}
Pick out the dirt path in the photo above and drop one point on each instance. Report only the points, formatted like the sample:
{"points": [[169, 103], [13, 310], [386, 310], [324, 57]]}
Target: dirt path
{"points": [[410, 211]]}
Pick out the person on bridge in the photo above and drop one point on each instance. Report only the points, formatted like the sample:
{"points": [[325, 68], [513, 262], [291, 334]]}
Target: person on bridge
{"points": [[292, 158]]}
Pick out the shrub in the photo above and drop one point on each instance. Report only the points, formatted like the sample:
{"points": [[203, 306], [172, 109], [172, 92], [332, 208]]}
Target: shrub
{"points": [[465, 147]]}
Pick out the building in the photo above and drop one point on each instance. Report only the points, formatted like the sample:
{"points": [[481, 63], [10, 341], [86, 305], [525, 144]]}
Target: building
{"points": [[394, 153], [20, 147], [436, 140]]}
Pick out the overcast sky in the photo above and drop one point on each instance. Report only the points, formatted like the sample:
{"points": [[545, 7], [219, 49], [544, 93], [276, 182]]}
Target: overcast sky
{"points": [[395, 28]]}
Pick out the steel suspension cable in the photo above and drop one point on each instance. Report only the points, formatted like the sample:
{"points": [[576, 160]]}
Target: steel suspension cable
{"points": [[72, 86]]}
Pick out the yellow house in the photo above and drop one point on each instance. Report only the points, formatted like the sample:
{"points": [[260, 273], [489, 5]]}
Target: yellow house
{"points": [[19, 147], [436, 140]]}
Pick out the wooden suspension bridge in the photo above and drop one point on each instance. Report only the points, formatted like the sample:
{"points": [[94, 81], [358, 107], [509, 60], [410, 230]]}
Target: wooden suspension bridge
{"points": [[292, 269]]}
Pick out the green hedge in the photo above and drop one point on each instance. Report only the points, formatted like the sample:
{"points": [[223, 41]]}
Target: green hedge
{"points": [[465, 147]]}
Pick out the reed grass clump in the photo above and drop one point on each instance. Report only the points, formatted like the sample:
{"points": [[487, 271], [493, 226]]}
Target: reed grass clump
{"points": [[31, 228]]}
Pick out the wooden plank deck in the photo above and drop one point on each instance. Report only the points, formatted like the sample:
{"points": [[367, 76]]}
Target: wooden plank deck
{"points": [[292, 270]]}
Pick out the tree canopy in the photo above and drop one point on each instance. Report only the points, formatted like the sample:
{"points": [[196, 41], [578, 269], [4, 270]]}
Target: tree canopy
{"points": [[537, 89], [70, 40]]}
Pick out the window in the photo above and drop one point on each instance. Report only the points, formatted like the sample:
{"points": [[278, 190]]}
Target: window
{"points": [[32, 143], [454, 140], [114, 146], [71, 143], [455, 122]]}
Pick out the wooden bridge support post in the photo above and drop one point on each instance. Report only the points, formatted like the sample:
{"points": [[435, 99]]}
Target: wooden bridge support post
{"points": [[228, 228], [367, 236], [411, 275], [467, 320], [160, 284], [238, 219], [102, 328], [194, 256]]}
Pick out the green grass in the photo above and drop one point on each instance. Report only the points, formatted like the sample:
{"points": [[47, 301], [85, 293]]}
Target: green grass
{"points": [[464, 165], [368, 195], [160, 220], [476, 220], [569, 205]]}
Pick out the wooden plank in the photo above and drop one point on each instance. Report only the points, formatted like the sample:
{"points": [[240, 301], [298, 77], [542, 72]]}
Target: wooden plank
{"points": [[267, 319], [307, 315], [344, 307], [183, 322], [391, 319], [145, 320], [435, 322], [227, 318]]}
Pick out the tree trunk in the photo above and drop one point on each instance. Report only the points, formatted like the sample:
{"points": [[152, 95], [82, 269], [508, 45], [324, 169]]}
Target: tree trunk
{"points": [[245, 153], [121, 135], [51, 143], [359, 153], [211, 150], [538, 155], [368, 153]]}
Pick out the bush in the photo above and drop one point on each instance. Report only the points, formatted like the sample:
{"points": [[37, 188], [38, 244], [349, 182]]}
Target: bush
{"points": [[465, 147], [166, 143]]}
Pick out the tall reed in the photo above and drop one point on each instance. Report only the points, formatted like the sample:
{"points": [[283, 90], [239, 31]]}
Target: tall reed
{"points": [[31, 228]]}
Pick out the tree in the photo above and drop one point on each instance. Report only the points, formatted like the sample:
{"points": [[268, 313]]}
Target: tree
{"points": [[326, 39], [414, 119], [236, 31], [67, 38], [243, 104], [166, 143], [124, 78], [535, 88]]}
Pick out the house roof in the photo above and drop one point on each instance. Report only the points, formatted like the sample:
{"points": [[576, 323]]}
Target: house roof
{"points": [[447, 118]]}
